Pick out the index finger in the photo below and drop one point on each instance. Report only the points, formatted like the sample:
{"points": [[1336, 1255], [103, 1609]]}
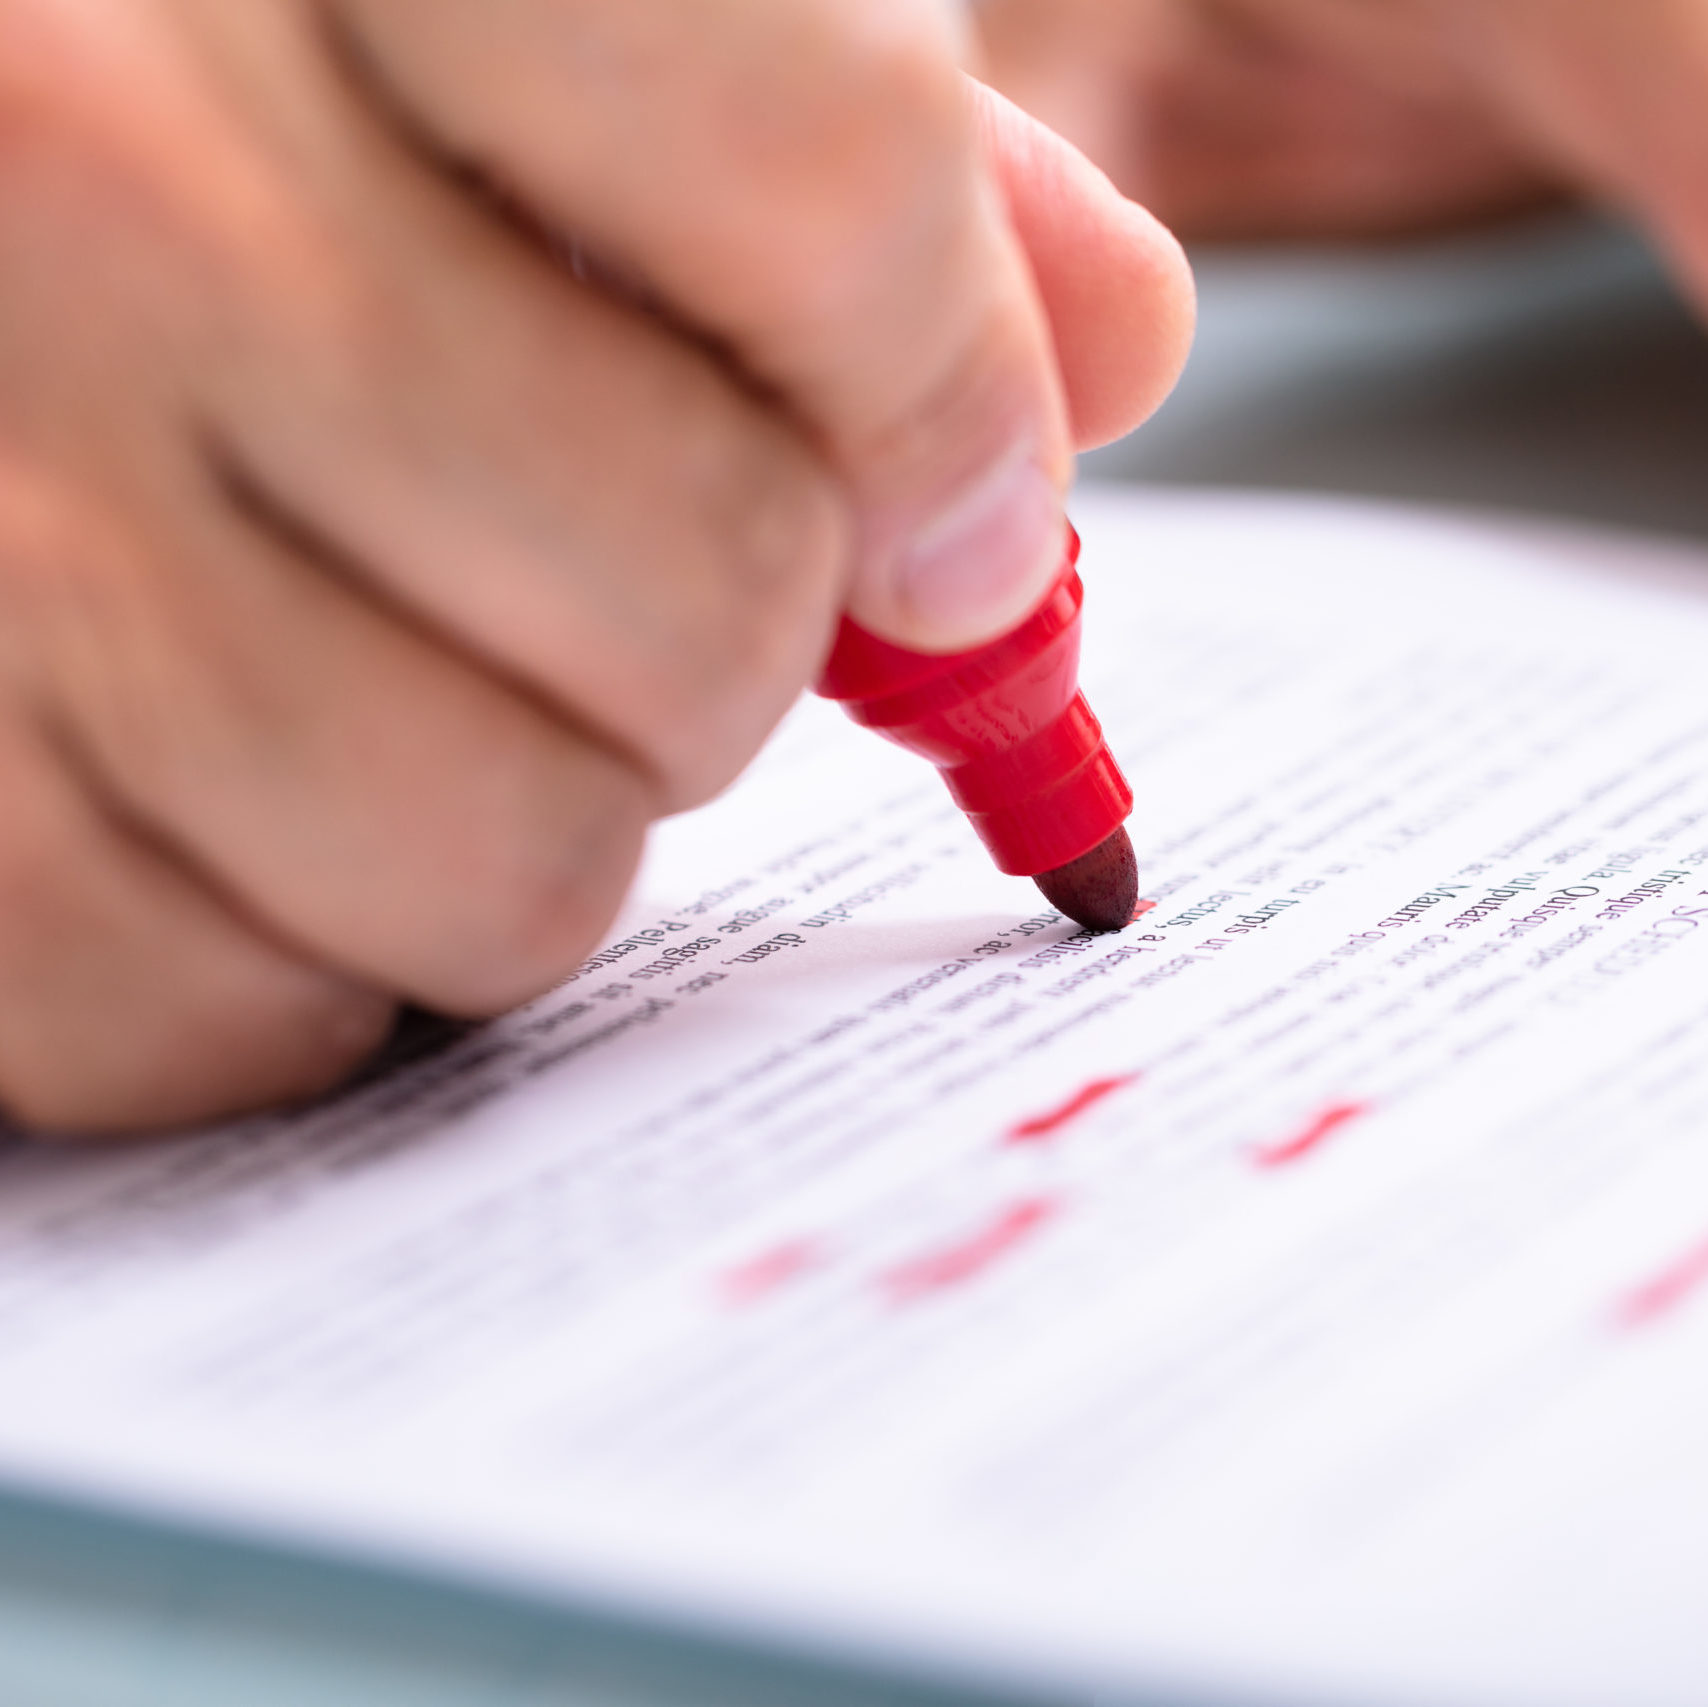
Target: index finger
{"points": [[801, 182]]}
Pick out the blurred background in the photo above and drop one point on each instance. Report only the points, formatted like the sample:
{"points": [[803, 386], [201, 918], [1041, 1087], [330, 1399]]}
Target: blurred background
{"points": [[1547, 366], [1541, 367]]}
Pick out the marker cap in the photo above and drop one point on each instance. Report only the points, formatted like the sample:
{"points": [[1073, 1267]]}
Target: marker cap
{"points": [[1005, 723]]}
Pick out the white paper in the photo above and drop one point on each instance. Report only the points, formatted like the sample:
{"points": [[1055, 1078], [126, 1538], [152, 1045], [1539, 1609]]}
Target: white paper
{"points": [[1303, 1295]]}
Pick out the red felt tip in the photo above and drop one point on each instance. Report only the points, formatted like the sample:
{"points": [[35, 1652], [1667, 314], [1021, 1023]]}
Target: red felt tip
{"points": [[1100, 889]]}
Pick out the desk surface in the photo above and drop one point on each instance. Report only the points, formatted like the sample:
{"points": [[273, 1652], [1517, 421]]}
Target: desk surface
{"points": [[1548, 369]]}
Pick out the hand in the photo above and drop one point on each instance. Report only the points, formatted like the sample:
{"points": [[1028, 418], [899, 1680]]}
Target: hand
{"points": [[436, 437], [1307, 118]]}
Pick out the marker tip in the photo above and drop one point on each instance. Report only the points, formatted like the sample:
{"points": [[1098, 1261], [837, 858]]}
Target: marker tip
{"points": [[1100, 889]]}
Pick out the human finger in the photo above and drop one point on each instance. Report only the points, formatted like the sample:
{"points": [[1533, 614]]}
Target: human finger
{"points": [[1115, 284], [371, 797], [1276, 119], [1613, 95], [131, 997], [798, 181], [557, 483]]}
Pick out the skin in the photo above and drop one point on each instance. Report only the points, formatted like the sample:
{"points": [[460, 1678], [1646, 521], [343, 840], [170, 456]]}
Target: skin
{"points": [[1354, 118], [436, 439]]}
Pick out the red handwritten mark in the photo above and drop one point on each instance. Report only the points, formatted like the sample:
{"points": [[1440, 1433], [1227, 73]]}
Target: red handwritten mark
{"points": [[969, 1258], [1313, 1137], [1665, 1292], [750, 1281], [1042, 1126]]}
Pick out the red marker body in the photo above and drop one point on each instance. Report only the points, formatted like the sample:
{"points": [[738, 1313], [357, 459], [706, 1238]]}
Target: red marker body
{"points": [[1005, 723]]}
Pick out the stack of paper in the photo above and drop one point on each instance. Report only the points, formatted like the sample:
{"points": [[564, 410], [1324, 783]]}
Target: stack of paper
{"points": [[1301, 1295]]}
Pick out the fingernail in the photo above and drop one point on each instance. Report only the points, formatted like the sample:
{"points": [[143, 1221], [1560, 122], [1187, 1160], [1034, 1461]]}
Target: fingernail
{"points": [[988, 557]]}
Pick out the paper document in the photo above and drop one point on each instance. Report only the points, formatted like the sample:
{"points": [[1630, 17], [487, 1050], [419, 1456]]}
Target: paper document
{"points": [[1302, 1295]]}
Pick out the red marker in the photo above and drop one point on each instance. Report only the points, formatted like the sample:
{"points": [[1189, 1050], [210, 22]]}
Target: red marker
{"points": [[1018, 746]]}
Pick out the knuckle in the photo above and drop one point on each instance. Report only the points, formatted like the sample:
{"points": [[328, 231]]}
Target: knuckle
{"points": [[83, 95], [127, 1003], [120, 135], [775, 530], [56, 1105], [87, 613], [56, 73], [547, 885], [204, 1060], [781, 522], [310, 1044], [48, 530], [896, 91]]}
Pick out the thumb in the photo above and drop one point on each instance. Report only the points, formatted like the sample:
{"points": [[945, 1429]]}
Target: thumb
{"points": [[1114, 295], [1115, 285]]}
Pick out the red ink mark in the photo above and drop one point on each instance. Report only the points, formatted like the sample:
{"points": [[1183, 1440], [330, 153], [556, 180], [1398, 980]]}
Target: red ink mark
{"points": [[750, 1281], [1047, 1125], [1143, 908], [1666, 1291], [1319, 1131], [973, 1255]]}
